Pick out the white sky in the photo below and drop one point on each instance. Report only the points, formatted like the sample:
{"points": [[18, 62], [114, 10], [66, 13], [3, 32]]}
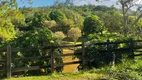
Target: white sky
{"points": [[86, 2], [103, 2]]}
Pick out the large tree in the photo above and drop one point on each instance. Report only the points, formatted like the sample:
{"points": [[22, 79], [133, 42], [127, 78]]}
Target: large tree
{"points": [[112, 20], [126, 6], [92, 24], [7, 19], [57, 15]]}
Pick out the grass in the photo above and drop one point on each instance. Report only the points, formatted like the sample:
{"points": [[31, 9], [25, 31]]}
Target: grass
{"points": [[65, 76]]}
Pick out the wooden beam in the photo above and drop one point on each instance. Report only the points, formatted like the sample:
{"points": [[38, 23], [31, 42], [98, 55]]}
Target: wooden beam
{"points": [[68, 63], [8, 61], [32, 58], [25, 68]]}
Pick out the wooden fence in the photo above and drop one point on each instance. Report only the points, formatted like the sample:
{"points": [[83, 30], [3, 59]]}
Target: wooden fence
{"points": [[135, 46]]}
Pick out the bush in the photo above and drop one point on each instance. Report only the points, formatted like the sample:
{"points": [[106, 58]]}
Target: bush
{"points": [[74, 34], [59, 35]]}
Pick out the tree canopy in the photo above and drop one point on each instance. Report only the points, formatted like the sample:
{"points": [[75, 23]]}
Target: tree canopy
{"points": [[92, 24]]}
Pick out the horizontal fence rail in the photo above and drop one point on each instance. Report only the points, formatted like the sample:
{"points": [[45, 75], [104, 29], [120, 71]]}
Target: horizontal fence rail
{"points": [[31, 58], [68, 63]]}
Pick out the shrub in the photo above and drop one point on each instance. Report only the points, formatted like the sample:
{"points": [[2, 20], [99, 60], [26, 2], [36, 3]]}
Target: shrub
{"points": [[59, 35], [74, 34]]}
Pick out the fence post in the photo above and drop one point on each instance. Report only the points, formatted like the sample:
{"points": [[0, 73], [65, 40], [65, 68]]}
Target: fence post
{"points": [[83, 54], [107, 46], [113, 60], [8, 61], [52, 59], [132, 48]]}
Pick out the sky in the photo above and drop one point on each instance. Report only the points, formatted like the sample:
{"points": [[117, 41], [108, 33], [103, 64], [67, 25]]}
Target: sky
{"points": [[36, 3], [39, 3]]}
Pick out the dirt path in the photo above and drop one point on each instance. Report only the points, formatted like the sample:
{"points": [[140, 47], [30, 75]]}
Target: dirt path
{"points": [[69, 68]]}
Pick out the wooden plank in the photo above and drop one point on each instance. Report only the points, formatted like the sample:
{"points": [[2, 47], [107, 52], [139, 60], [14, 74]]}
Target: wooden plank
{"points": [[66, 46], [29, 49], [63, 55], [83, 54], [138, 55], [138, 50], [2, 71], [25, 68], [138, 47], [8, 61], [23, 49], [119, 42], [113, 50], [3, 50], [48, 47], [3, 60], [52, 59], [137, 40], [68, 63], [31, 58], [132, 48]]}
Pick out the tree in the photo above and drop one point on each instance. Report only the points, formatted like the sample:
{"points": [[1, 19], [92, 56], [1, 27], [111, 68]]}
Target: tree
{"points": [[7, 30], [66, 25], [58, 16], [74, 16], [92, 24], [17, 18], [74, 34], [112, 20], [38, 19], [127, 5], [49, 24]]}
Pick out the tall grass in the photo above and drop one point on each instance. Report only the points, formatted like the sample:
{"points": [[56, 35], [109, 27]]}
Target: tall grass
{"points": [[127, 70]]}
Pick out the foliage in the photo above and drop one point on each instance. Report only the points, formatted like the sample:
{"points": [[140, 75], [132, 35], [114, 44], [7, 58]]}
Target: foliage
{"points": [[38, 19], [16, 17], [49, 24], [59, 35], [7, 31], [57, 15], [74, 16], [112, 20], [92, 24], [74, 34], [122, 71], [66, 25], [29, 27]]}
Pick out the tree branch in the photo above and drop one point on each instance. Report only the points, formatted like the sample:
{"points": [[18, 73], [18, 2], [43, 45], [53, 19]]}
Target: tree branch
{"points": [[137, 19]]}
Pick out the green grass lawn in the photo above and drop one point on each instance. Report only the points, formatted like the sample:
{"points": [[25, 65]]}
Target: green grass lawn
{"points": [[61, 76]]}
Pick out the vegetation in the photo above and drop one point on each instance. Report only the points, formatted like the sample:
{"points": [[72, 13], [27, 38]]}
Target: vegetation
{"points": [[74, 34], [48, 26], [92, 24]]}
